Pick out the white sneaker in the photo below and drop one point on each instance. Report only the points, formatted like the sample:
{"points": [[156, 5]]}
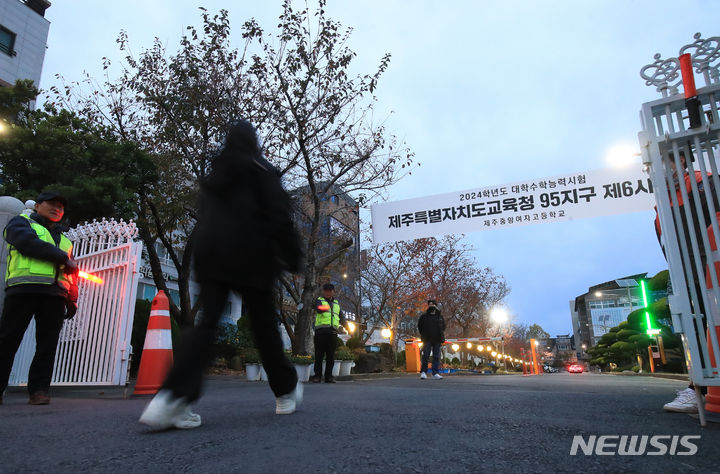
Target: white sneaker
{"points": [[165, 412], [423, 375], [188, 420], [437, 376], [286, 404], [685, 402]]}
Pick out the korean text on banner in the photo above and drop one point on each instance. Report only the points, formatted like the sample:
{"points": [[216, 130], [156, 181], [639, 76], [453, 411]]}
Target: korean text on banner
{"points": [[557, 199]]}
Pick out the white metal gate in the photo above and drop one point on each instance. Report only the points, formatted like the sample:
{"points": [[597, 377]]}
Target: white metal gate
{"points": [[94, 346], [687, 230]]}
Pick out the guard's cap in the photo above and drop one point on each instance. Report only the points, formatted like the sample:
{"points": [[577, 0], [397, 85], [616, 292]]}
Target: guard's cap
{"points": [[329, 286], [51, 196]]}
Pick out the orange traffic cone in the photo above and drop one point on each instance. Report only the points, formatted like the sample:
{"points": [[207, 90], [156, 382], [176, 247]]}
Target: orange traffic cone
{"points": [[712, 398], [157, 355]]}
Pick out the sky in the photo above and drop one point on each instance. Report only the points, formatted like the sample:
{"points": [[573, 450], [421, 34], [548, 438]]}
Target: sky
{"points": [[484, 93]]}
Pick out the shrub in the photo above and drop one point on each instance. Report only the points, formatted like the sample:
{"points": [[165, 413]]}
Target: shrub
{"points": [[455, 362], [355, 342], [635, 368], [400, 359], [385, 349], [301, 359], [227, 343], [249, 355], [343, 353]]}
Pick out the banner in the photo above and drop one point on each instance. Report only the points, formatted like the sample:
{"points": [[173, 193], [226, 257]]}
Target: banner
{"points": [[558, 199]]}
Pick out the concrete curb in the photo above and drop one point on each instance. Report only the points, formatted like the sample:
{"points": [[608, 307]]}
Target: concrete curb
{"points": [[659, 375]]}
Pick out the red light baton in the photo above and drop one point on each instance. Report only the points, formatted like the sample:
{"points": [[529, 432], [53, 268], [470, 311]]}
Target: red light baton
{"points": [[692, 103], [90, 277]]}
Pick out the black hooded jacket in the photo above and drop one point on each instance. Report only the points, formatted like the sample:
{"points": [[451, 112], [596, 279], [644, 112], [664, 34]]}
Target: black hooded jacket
{"points": [[245, 234], [431, 326]]}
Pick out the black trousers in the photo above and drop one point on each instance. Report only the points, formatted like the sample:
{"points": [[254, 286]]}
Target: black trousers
{"points": [[49, 312], [325, 343], [193, 356]]}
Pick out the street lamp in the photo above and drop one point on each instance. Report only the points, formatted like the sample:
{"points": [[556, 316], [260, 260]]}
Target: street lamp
{"points": [[621, 155], [386, 333], [480, 347], [500, 316], [351, 326], [455, 347]]}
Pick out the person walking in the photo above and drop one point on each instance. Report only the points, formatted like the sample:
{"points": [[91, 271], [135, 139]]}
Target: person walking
{"points": [[328, 320], [41, 281], [431, 326], [243, 240]]}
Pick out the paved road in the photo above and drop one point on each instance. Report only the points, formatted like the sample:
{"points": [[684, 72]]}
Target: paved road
{"points": [[491, 424]]}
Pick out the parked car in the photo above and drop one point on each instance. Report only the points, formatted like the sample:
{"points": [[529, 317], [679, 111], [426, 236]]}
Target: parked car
{"points": [[575, 369], [550, 370]]}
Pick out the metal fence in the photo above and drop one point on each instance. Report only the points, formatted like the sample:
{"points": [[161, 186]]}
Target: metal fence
{"points": [[94, 346], [687, 200]]}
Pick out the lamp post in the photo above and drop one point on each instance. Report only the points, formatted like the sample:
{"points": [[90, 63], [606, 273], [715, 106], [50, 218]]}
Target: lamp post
{"points": [[499, 315]]}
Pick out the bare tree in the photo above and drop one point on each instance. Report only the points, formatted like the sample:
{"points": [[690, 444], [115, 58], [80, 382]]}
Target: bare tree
{"points": [[402, 276], [315, 118], [324, 139]]}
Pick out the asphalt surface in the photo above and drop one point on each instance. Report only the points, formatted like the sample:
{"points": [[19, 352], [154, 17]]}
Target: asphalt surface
{"points": [[491, 424]]}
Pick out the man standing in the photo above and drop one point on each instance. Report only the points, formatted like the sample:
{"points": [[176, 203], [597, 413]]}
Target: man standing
{"points": [[41, 282], [328, 319], [431, 326]]}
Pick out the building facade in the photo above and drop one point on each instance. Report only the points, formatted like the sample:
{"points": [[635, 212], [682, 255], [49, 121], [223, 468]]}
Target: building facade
{"points": [[23, 40], [340, 220], [605, 306]]}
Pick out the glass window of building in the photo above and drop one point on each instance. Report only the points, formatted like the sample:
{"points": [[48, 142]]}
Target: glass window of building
{"points": [[7, 41]]}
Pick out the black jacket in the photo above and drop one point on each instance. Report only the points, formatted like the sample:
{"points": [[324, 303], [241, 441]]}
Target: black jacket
{"points": [[431, 326], [20, 234], [245, 234]]}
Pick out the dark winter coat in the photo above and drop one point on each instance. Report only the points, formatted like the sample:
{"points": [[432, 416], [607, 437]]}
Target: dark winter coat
{"points": [[245, 234], [431, 326]]}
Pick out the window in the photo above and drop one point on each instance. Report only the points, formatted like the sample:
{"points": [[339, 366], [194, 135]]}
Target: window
{"points": [[7, 41]]}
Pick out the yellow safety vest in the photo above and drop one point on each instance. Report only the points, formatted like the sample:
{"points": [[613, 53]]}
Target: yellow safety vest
{"points": [[328, 319], [23, 270]]}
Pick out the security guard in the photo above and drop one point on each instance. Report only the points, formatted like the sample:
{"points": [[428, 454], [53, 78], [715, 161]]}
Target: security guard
{"points": [[41, 282], [328, 319]]}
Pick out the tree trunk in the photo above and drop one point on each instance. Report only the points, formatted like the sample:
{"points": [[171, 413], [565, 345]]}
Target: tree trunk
{"points": [[302, 344], [156, 267], [187, 312]]}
